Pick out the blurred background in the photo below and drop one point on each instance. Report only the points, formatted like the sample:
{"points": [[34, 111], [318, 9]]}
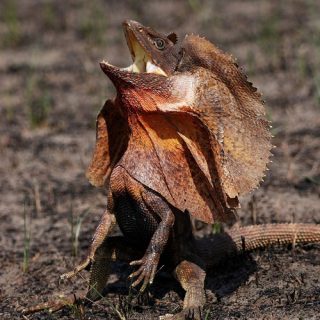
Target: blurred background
{"points": [[51, 88]]}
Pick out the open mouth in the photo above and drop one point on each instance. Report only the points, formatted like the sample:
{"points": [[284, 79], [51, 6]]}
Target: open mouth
{"points": [[142, 62]]}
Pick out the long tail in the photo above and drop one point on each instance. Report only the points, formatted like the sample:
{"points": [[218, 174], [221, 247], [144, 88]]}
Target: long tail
{"points": [[237, 240]]}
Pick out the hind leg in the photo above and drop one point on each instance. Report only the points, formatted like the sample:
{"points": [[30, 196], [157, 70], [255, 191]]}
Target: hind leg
{"points": [[112, 249], [191, 278]]}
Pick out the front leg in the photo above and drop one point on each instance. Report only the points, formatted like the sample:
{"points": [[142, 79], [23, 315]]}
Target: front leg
{"points": [[148, 264]]}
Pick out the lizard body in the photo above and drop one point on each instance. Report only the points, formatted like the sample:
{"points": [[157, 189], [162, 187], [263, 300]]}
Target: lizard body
{"points": [[185, 136]]}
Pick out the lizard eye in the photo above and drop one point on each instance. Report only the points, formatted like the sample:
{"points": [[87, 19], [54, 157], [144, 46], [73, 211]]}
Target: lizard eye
{"points": [[159, 43]]}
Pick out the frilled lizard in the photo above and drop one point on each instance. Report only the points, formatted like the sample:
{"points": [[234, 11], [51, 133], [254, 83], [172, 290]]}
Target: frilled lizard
{"points": [[184, 137]]}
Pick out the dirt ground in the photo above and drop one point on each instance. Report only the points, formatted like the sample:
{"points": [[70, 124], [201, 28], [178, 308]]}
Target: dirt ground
{"points": [[51, 88]]}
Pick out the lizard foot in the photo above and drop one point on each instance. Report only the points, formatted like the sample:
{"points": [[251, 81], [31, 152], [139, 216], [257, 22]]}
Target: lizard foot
{"points": [[185, 314], [57, 304], [147, 270]]}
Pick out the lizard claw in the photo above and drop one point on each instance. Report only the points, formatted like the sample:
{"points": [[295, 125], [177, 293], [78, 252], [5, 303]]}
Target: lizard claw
{"points": [[54, 305], [76, 270], [188, 313], [146, 272]]}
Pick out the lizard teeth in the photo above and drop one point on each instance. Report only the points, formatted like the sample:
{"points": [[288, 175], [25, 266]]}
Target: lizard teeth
{"points": [[152, 68], [140, 66], [132, 68]]}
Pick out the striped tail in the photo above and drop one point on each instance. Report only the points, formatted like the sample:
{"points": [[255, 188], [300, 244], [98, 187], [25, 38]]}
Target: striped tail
{"points": [[241, 239]]}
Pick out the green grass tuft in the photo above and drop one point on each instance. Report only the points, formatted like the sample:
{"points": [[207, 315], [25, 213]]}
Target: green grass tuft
{"points": [[26, 240], [216, 228], [39, 101], [93, 26], [13, 36], [75, 228]]}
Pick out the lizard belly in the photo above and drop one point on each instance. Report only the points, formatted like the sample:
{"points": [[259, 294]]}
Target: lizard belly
{"points": [[136, 222]]}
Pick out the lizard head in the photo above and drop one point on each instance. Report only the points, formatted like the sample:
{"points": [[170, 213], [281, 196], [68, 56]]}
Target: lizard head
{"points": [[153, 53], [148, 79]]}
